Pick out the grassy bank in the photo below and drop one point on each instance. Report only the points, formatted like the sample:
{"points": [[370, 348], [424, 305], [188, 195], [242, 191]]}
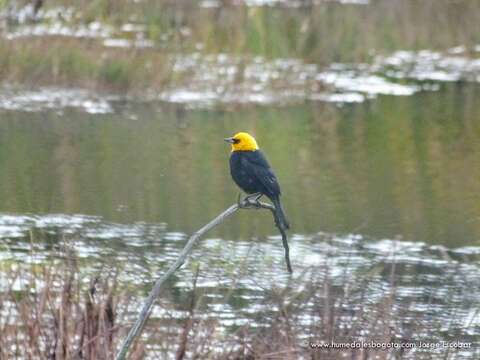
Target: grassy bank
{"points": [[84, 63], [320, 34]]}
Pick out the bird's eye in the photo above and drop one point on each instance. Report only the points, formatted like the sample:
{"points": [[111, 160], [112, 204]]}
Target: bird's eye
{"points": [[236, 141]]}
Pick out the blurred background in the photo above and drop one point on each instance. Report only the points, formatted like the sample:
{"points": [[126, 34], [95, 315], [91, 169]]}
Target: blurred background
{"points": [[112, 119]]}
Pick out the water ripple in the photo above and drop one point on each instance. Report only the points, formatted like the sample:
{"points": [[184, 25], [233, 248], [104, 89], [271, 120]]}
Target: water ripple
{"points": [[240, 279]]}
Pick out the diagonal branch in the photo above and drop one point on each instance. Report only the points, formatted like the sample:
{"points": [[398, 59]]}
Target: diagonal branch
{"points": [[159, 284]]}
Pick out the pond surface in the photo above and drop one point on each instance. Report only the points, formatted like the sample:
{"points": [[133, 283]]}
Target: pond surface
{"points": [[381, 192], [392, 167]]}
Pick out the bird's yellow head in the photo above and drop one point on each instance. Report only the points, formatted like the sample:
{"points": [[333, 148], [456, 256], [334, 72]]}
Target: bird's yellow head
{"points": [[242, 141]]}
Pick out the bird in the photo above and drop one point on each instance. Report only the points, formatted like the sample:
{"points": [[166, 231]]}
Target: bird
{"points": [[253, 174]]}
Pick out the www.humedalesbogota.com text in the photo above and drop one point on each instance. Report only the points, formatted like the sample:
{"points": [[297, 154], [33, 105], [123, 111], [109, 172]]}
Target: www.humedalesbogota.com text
{"points": [[390, 345]]}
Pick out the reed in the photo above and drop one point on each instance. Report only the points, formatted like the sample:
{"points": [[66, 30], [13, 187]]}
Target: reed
{"points": [[53, 312], [319, 34]]}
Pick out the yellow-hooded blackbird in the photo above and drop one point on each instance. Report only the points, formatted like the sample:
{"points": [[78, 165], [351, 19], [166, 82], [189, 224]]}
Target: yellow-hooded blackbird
{"points": [[252, 173]]}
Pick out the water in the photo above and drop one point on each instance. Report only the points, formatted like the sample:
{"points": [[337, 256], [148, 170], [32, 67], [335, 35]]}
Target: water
{"points": [[378, 159], [395, 166], [434, 288], [398, 168]]}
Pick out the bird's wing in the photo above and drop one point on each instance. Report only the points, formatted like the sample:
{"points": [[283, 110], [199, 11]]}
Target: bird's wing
{"points": [[260, 168]]}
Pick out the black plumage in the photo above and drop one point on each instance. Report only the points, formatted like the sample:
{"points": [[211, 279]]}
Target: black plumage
{"points": [[252, 173]]}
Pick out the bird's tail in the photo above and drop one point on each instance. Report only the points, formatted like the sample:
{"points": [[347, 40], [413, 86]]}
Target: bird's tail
{"points": [[280, 214]]}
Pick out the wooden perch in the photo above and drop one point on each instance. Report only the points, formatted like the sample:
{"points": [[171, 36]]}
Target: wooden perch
{"points": [[248, 203]]}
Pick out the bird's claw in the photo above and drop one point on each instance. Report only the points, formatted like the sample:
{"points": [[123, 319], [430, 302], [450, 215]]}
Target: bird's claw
{"points": [[252, 200], [241, 202]]}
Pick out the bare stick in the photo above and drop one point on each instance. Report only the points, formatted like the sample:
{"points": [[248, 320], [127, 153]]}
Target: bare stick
{"points": [[252, 203], [155, 292]]}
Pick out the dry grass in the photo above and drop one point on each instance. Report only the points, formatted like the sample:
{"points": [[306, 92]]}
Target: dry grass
{"points": [[54, 316], [84, 63], [62, 316]]}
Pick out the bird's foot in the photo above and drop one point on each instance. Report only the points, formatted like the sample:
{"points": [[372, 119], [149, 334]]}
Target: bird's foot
{"points": [[240, 201], [252, 200]]}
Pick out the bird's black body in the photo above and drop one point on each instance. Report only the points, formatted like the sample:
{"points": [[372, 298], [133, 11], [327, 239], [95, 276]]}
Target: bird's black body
{"points": [[252, 173]]}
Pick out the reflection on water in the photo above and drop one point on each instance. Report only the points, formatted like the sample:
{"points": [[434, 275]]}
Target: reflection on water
{"points": [[434, 288], [402, 167]]}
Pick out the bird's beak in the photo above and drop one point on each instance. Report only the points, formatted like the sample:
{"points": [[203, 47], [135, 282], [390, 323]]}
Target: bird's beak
{"points": [[230, 140]]}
